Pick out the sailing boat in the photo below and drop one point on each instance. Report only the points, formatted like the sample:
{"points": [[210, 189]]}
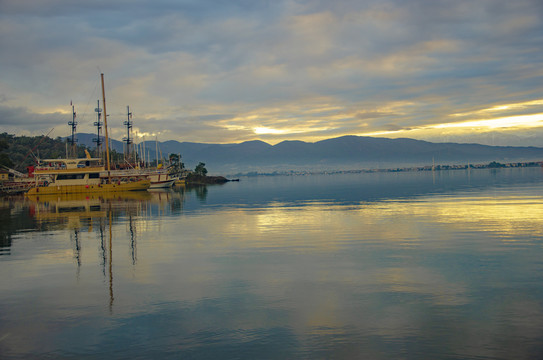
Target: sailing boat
{"points": [[83, 175], [160, 178]]}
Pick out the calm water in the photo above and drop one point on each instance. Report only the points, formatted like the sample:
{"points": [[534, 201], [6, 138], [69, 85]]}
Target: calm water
{"points": [[445, 265]]}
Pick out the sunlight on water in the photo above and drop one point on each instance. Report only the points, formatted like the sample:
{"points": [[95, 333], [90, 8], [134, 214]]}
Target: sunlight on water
{"points": [[372, 266]]}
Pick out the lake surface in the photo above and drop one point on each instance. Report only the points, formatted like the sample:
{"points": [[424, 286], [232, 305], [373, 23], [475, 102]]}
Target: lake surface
{"points": [[413, 265]]}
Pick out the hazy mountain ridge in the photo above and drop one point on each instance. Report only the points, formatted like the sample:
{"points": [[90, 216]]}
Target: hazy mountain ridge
{"points": [[346, 152]]}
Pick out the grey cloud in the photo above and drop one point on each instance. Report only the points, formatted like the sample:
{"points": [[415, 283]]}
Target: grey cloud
{"points": [[202, 128], [394, 127], [533, 137], [442, 56], [372, 115], [31, 122]]}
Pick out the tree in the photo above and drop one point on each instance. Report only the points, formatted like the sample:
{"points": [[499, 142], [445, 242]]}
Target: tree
{"points": [[175, 161], [23, 150], [200, 169], [3, 145], [176, 166], [494, 165], [4, 158]]}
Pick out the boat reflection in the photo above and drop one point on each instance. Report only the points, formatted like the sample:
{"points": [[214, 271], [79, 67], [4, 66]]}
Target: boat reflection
{"points": [[78, 210], [99, 213], [85, 212], [82, 212]]}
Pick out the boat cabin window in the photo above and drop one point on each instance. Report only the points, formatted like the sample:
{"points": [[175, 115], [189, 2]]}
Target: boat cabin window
{"points": [[71, 209], [86, 163], [94, 175], [70, 176]]}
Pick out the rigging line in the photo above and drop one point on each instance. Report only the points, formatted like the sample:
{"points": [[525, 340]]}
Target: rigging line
{"points": [[34, 155], [91, 100], [88, 108], [34, 148]]}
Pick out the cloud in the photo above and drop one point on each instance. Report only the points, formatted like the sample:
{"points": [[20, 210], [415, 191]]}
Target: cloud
{"points": [[246, 65], [28, 123]]}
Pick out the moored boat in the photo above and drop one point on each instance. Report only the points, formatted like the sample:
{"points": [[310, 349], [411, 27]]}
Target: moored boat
{"points": [[16, 182], [81, 175], [161, 180]]}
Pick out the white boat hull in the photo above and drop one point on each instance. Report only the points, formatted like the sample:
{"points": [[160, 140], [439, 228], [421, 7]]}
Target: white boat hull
{"points": [[160, 180], [162, 184]]}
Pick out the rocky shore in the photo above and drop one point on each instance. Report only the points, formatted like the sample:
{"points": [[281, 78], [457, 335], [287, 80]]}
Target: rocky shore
{"points": [[195, 179]]}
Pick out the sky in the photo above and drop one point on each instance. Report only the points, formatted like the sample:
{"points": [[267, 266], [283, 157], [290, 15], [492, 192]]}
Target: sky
{"points": [[218, 71]]}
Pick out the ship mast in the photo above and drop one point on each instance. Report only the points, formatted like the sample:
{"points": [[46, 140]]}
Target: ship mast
{"points": [[128, 140], [73, 124], [105, 125], [98, 124]]}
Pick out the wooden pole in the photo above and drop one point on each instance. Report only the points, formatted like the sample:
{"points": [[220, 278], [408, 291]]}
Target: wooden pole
{"points": [[105, 125]]}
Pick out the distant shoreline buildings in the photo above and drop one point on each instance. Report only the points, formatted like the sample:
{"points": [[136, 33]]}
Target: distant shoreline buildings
{"points": [[491, 165]]}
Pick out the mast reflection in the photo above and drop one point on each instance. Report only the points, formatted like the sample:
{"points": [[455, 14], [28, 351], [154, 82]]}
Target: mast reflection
{"points": [[79, 212], [77, 250], [133, 248], [111, 297], [102, 246]]}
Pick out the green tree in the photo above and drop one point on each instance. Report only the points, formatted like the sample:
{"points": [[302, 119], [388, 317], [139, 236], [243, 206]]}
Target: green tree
{"points": [[23, 150], [200, 169], [176, 166], [494, 165], [4, 158], [3, 144], [175, 161]]}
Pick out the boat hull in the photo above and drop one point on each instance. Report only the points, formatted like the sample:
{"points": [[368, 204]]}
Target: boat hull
{"points": [[162, 184], [87, 189], [179, 182]]}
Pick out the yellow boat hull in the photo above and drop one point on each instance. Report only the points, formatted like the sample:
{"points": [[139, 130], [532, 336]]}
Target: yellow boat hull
{"points": [[86, 197], [90, 189]]}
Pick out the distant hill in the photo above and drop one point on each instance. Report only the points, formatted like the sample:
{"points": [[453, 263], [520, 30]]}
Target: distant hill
{"points": [[346, 152]]}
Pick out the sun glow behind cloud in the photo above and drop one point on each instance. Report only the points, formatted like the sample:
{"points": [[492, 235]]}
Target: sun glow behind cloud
{"points": [[265, 130], [314, 122], [506, 107], [509, 123], [505, 118], [526, 121], [481, 125]]}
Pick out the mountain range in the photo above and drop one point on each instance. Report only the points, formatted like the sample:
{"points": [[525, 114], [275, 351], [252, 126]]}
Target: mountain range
{"points": [[342, 153]]}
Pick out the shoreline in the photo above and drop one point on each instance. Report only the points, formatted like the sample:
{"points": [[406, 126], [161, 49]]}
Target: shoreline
{"points": [[491, 165]]}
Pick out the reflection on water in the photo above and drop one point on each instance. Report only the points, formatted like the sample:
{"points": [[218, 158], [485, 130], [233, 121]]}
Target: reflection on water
{"points": [[379, 266], [79, 213]]}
